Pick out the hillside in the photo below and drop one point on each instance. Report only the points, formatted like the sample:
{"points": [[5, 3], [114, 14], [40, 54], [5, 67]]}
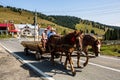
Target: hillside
{"points": [[80, 24], [89, 28], [63, 24], [8, 14]]}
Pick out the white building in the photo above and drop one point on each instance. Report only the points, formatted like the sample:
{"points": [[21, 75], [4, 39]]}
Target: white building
{"points": [[27, 29]]}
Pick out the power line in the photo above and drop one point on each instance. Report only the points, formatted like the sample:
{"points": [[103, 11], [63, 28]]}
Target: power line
{"points": [[103, 9], [2, 3], [5, 3], [87, 9], [95, 12]]}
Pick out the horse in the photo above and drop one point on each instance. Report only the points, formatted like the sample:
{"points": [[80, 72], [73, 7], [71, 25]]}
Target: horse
{"points": [[89, 40], [92, 41], [64, 44]]}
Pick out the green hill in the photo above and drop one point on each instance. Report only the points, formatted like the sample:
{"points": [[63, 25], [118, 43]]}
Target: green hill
{"points": [[89, 29], [23, 17], [63, 24]]}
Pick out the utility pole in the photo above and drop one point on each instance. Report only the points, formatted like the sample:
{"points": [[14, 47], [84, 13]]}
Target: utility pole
{"points": [[35, 28]]}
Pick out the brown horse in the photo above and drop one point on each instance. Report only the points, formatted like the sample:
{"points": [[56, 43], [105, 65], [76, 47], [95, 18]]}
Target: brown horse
{"points": [[89, 40], [64, 44]]}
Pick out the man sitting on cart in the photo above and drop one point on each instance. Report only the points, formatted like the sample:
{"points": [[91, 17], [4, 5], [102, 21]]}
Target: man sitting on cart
{"points": [[52, 32]]}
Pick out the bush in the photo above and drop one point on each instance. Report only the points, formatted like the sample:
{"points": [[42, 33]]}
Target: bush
{"points": [[118, 51], [115, 50]]}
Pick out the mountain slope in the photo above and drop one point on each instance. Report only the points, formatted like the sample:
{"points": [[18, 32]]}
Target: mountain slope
{"points": [[63, 24], [23, 17]]}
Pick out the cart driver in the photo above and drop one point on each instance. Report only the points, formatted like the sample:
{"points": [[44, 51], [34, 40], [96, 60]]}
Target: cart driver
{"points": [[52, 32]]}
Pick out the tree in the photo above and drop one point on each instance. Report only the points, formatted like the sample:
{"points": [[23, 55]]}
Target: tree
{"points": [[20, 11], [119, 34], [1, 6], [92, 31], [107, 35], [87, 31]]}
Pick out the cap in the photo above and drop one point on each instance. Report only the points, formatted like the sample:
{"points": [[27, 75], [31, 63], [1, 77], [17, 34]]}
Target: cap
{"points": [[52, 28]]}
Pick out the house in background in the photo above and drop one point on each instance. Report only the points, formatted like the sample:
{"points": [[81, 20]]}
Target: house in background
{"points": [[26, 29], [17, 30], [8, 28]]}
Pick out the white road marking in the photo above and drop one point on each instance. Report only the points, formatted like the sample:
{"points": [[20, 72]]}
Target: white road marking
{"points": [[110, 58], [44, 76], [105, 67]]}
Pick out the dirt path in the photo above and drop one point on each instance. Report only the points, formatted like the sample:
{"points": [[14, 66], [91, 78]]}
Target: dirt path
{"points": [[12, 69]]}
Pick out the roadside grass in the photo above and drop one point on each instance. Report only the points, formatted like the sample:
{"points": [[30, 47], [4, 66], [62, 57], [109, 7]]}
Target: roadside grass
{"points": [[110, 50], [4, 36]]}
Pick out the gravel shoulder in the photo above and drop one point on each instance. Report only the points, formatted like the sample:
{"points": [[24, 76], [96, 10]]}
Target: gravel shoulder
{"points": [[12, 69]]}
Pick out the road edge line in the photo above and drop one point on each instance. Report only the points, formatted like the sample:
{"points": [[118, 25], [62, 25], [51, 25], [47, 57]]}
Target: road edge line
{"points": [[39, 72], [105, 67]]}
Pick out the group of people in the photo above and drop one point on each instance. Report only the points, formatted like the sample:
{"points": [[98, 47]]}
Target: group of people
{"points": [[46, 35]]}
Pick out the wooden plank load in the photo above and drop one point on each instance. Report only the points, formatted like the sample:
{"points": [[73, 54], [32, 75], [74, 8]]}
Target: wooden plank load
{"points": [[33, 46]]}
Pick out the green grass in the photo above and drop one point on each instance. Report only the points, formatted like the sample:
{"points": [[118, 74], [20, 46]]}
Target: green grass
{"points": [[89, 27], [4, 36], [111, 50]]}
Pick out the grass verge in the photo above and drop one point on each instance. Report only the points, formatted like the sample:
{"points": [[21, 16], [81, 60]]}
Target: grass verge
{"points": [[111, 50]]}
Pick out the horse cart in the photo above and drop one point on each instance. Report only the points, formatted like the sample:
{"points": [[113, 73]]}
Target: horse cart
{"points": [[35, 47]]}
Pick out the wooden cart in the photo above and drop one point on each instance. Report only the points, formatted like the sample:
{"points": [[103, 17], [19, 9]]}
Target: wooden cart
{"points": [[33, 46]]}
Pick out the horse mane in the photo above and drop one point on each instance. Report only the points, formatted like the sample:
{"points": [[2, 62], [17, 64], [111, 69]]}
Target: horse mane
{"points": [[70, 37]]}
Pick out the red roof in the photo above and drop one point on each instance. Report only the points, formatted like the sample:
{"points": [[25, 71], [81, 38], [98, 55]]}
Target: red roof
{"points": [[15, 30], [5, 24]]}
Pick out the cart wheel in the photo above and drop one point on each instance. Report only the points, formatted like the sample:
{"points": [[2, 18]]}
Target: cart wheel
{"points": [[38, 56], [26, 51]]}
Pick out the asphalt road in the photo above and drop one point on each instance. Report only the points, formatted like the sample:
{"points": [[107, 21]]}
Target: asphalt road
{"points": [[100, 68]]}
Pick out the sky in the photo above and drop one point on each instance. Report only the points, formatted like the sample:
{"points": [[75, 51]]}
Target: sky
{"points": [[102, 11]]}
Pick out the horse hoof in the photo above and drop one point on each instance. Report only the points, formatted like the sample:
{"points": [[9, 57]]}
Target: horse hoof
{"points": [[66, 67], [73, 73], [80, 67], [84, 64]]}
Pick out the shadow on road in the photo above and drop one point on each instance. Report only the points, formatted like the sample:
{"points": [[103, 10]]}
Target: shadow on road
{"points": [[58, 68], [45, 65]]}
